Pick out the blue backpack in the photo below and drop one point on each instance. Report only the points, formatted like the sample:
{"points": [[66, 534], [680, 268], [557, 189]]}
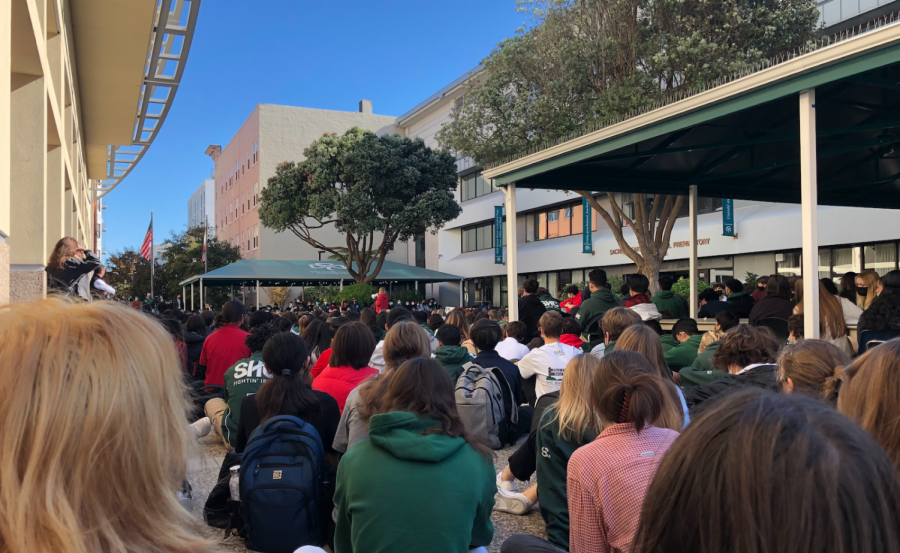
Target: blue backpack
{"points": [[283, 478]]}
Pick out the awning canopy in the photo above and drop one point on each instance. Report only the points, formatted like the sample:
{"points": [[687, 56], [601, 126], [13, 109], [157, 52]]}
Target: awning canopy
{"points": [[309, 273]]}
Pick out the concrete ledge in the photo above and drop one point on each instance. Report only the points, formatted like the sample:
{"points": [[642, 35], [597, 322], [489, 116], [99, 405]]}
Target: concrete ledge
{"points": [[28, 285]]}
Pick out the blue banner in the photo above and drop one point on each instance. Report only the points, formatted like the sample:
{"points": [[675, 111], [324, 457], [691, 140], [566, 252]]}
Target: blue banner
{"points": [[587, 228], [727, 217], [498, 235]]}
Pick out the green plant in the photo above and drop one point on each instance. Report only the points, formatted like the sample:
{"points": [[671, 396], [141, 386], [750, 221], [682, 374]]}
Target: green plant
{"points": [[751, 279], [320, 293], [404, 296], [683, 287], [616, 282], [362, 292]]}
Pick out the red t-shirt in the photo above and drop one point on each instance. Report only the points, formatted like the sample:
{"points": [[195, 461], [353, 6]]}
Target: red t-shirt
{"points": [[221, 350], [321, 363]]}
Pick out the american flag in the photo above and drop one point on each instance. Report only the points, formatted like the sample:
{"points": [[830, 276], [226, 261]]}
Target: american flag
{"points": [[148, 242], [205, 234]]}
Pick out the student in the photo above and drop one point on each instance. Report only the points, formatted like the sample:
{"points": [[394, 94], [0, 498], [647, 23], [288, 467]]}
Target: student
{"points": [[550, 303], [639, 287], [883, 315], [848, 286], [615, 321], [69, 269], [435, 321], [799, 477], [702, 370], [226, 346], [564, 427], [194, 336], [457, 317], [868, 287], [688, 336], [795, 329], [573, 298], [368, 317], [741, 301], [869, 396], [391, 318], [317, 337], [351, 350], [531, 308], [666, 300], [512, 348], [849, 309], [776, 303], [832, 328], [546, 364], [594, 307], [710, 304], [486, 336], [82, 469], [571, 333], [608, 478], [812, 368], [666, 339], [761, 289], [288, 393], [417, 444], [422, 318], [449, 353], [381, 301]]}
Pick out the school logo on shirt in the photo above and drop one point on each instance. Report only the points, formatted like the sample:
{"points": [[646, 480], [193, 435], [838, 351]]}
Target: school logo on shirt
{"points": [[555, 373], [545, 452], [253, 369]]}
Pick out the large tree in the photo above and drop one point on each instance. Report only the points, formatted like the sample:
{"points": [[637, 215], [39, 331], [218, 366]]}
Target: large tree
{"points": [[129, 273], [183, 258], [376, 190], [582, 62]]}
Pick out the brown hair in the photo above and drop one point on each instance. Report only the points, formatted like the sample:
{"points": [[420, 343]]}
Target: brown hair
{"points": [[831, 314], [457, 317], [869, 395], [551, 324], [814, 367], [745, 345], [617, 319], [627, 389], [352, 346], [644, 341], [66, 248], [766, 472]]}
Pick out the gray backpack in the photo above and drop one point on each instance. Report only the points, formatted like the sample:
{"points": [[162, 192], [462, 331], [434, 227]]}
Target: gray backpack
{"points": [[486, 405]]}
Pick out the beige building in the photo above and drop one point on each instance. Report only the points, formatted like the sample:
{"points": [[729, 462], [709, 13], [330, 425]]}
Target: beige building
{"points": [[84, 88]]}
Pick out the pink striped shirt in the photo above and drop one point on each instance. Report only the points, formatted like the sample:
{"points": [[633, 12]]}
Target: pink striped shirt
{"points": [[606, 483]]}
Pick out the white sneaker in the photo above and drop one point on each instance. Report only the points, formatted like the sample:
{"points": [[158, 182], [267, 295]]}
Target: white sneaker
{"points": [[508, 485], [201, 427], [511, 502]]}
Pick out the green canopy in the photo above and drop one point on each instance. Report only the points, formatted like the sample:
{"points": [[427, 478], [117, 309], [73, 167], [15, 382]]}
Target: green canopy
{"points": [[309, 273]]}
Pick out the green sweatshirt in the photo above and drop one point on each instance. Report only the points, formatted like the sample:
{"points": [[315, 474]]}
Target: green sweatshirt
{"points": [[550, 303], [702, 370], [666, 300], [386, 485], [685, 354], [593, 308], [453, 358], [243, 379], [668, 342], [552, 463]]}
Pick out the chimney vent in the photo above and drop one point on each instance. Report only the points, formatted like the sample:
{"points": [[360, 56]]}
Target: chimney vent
{"points": [[365, 106]]}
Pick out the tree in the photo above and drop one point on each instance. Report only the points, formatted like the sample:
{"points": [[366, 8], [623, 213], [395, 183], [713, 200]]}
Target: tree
{"points": [[129, 273], [582, 62], [375, 190], [278, 295], [182, 259]]}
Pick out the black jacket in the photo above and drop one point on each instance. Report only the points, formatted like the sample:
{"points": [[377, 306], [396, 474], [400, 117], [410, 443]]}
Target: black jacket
{"points": [[194, 347], [771, 306], [762, 376], [530, 310], [74, 279], [712, 308]]}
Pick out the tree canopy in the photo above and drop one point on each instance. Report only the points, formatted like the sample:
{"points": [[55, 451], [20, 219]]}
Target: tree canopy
{"points": [[375, 190]]}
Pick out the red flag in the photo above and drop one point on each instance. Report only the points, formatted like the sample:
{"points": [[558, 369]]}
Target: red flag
{"points": [[205, 234], [148, 243]]}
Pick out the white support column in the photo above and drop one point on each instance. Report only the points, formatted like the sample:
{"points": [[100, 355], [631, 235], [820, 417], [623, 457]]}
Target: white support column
{"points": [[512, 256], [809, 199], [192, 297], [257, 294], [462, 300], [183, 297], [692, 217], [202, 305]]}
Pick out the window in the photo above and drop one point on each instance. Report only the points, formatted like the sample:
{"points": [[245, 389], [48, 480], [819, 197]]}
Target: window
{"points": [[255, 236], [230, 215], [255, 194], [255, 151], [474, 186], [880, 257], [479, 237], [557, 222], [248, 158], [246, 240], [704, 205]]}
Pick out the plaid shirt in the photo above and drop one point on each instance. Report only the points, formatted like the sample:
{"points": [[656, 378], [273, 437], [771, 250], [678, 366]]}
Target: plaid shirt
{"points": [[606, 483], [637, 299]]}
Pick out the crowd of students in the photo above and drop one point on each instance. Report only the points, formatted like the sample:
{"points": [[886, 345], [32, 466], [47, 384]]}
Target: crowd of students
{"points": [[625, 427]]}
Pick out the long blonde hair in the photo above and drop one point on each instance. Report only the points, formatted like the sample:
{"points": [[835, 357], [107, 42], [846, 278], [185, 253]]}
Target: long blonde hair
{"points": [[871, 279], [643, 340], [831, 314], [93, 432], [574, 412], [458, 317]]}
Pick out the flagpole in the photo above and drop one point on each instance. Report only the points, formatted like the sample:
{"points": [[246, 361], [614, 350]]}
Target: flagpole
{"points": [[205, 239], [152, 259]]}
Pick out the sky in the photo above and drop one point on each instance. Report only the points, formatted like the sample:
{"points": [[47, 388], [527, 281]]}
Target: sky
{"points": [[308, 53]]}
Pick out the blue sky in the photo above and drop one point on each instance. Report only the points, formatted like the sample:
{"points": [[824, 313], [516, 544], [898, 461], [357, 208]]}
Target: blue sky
{"points": [[326, 55]]}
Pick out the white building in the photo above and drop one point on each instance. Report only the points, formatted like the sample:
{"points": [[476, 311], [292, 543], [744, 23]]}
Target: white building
{"points": [[202, 204]]}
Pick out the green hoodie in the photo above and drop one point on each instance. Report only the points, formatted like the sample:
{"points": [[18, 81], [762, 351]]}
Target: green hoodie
{"points": [[593, 308], [702, 371], [244, 378], [668, 342], [550, 303], [685, 354], [666, 300], [453, 358], [386, 484]]}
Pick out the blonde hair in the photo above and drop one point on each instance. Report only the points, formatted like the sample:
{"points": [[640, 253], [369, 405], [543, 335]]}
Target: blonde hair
{"points": [[93, 432], [457, 317], [708, 338], [871, 279], [382, 290], [831, 314], [643, 340], [574, 411]]}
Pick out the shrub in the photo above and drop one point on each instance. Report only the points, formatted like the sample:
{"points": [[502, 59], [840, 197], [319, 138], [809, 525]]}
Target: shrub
{"points": [[683, 287], [362, 292]]}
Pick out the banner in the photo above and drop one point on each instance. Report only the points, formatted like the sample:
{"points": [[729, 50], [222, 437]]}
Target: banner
{"points": [[587, 228], [498, 235], [727, 217]]}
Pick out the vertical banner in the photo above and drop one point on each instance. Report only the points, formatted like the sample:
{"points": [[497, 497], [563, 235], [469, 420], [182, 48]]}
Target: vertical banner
{"points": [[498, 235], [587, 228], [727, 217]]}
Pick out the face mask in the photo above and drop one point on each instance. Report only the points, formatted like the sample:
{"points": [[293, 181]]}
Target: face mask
{"points": [[862, 291]]}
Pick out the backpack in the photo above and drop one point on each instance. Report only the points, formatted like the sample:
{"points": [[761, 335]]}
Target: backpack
{"points": [[283, 480], [486, 406]]}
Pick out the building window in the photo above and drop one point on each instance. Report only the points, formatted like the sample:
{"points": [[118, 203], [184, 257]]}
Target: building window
{"points": [[255, 236], [420, 250], [255, 151], [881, 258], [255, 194], [556, 223], [479, 237], [704, 205], [474, 186], [248, 158]]}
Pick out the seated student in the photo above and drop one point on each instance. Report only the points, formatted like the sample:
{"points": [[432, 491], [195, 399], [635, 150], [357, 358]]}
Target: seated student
{"points": [[405, 340], [459, 318], [485, 334], [224, 347], [666, 300], [813, 368], [702, 370], [869, 395], [667, 340], [615, 321], [573, 298], [244, 378], [317, 337], [565, 426], [422, 318], [417, 444], [435, 321], [776, 303], [546, 365], [710, 304], [512, 348], [834, 488], [369, 318], [449, 353], [571, 333], [391, 317], [608, 478], [688, 336], [795, 329], [288, 392], [639, 287], [81, 467], [883, 313], [747, 354], [351, 350], [594, 307], [849, 309], [550, 303], [741, 301]]}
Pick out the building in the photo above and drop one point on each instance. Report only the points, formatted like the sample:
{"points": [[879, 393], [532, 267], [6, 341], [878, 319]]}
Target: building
{"points": [[202, 204], [84, 89]]}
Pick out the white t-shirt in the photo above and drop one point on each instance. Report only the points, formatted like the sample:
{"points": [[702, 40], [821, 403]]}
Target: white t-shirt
{"points": [[548, 362], [510, 349]]}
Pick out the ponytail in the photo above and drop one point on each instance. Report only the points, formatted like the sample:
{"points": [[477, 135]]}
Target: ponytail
{"points": [[832, 386], [288, 391], [637, 399], [815, 368]]}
